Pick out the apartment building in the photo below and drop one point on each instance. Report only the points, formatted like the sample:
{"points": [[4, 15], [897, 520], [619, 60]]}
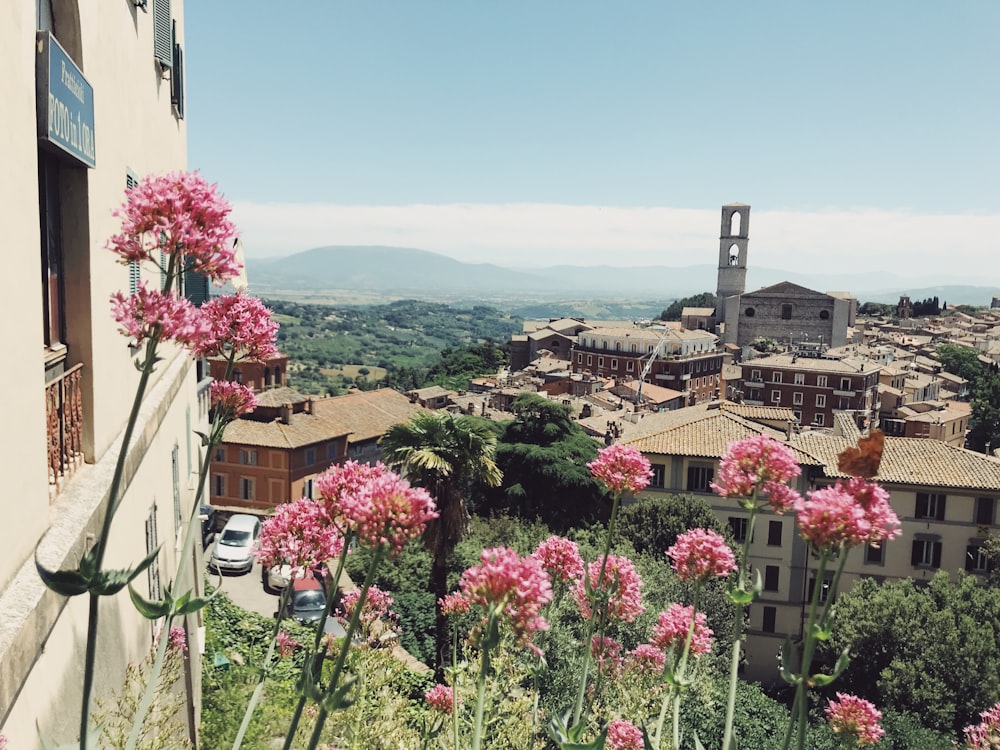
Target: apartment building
{"points": [[946, 499], [682, 360], [814, 387], [92, 99]]}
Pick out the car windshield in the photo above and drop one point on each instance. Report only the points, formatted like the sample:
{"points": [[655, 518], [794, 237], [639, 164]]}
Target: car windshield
{"points": [[232, 538], [308, 600]]}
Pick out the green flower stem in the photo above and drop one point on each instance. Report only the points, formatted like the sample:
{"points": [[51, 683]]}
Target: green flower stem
{"points": [[147, 696], [585, 667], [101, 545], [454, 683], [673, 695], [264, 670], [743, 585], [342, 656], [799, 717], [484, 670], [308, 661]]}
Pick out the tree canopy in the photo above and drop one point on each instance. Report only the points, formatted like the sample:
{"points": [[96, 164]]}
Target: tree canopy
{"points": [[673, 312]]}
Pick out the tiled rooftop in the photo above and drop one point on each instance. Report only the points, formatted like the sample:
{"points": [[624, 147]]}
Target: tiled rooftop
{"points": [[302, 429], [368, 414]]}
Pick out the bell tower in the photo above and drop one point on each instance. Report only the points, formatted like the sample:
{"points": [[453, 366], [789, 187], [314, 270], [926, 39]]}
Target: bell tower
{"points": [[733, 238]]}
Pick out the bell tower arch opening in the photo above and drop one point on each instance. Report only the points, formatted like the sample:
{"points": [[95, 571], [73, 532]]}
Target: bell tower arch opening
{"points": [[733, 239]]}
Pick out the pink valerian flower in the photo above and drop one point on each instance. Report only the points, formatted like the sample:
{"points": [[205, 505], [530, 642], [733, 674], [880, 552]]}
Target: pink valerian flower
{"points": [[286, 644], [699, 554], [856, 717], [341, 482], [671, 631], [830, 517], [442, 698], [377, 606], [759, 467], [177, 638], [142, 314], [387, 512], [300, 535], [607, 654], [179, 213], [621, 468], [646, 659], [621, 587], [624, 735], [561, 558], [232, 400], [454, 604], [518, 588], [239, 326], [874, 501], [986, 734]]}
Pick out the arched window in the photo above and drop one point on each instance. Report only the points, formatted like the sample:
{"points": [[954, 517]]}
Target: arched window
{"points": [[734, 255], [734, 223]]}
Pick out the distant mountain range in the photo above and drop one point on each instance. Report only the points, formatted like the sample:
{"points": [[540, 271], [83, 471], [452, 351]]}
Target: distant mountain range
{"points": [[422, 274]]}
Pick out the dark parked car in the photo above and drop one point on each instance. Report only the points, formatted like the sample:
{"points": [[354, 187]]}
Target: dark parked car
{"points": [[206, 513], [307, 601]]}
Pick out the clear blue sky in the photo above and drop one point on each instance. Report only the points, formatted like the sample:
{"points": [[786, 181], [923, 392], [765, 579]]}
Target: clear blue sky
{"points": [[850, 118]]}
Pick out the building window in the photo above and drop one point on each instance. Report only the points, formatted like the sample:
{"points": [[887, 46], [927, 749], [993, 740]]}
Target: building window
{"points": [[771, 578], [875, 554], [819, 419], [600, 361], [163, 41], [310, 456], [985, 511], [659, 474], [796, 399], [926, 553], [824, 591], [331, 451], [630, 366], [776, 397], [177, 76], [218, 485], [248, 457], [770, 616], [930, 506], [774, 533], [738, 525], [821, 400], [699, 478], [590, 360], [175, 467], [800, 379], [845, 384], [237, 376], [976, 560], [776, 377], [614, 364], [824, 314], [821, 381], [307, 489], [220, 455], [579, 358], [797, 415], [749, 312], [246, 488], [786, 312], [755, 375], [152, 542]]}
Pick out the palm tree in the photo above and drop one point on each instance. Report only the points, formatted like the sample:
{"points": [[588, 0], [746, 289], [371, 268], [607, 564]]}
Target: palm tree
{"points": [[447, 456]]}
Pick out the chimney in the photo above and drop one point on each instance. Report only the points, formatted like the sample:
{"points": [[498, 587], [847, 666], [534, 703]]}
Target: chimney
{"points": [[285, 413]]}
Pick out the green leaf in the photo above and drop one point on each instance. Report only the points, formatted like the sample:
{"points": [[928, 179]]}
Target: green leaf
{"points": [[340, 697], [88, 563], [741, 598], [789, 662], [193, 605], [110, 582], [822, 680], [63, 582], [147, 608], [758, 584]]}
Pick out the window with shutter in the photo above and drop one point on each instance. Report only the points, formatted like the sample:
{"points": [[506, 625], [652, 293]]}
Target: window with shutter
{"points": [[930, 506], [177, 76], [774, 533], [163, 43], [926, 553], [771, 578]]}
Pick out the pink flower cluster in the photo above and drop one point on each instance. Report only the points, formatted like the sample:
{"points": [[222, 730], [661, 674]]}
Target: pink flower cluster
{"points": [[454, 604], [238, 325], [142, 314], [671, 631], [850, 513], [852, 716], [986, 734], [378, 605], [699, 554], [299, 535], [178, 213], [561, 558], [442, 698], [607, 654], [646, 659], [518, 587], [759, 467], [378, 506], [231, 399], [623, 735], [177, 638], [621, 468], [286, 644], [621, 587]]}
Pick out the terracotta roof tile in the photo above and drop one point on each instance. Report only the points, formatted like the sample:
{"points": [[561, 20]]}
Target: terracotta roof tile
{"points": [[368, 414], [302, 429]]}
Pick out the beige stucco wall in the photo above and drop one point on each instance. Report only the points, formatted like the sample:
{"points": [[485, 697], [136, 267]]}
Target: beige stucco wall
{"points": [[135, 128]]}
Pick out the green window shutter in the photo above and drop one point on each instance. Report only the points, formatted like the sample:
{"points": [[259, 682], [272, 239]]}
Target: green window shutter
{"points": [[177, 76], [163, 48]]}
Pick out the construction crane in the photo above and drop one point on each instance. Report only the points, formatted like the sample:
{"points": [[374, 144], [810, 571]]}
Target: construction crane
{"points": [[646, 368]]}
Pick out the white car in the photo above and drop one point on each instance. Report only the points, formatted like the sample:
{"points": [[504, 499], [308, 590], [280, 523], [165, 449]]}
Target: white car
{"points": [[234, 547], [277, 577]]}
